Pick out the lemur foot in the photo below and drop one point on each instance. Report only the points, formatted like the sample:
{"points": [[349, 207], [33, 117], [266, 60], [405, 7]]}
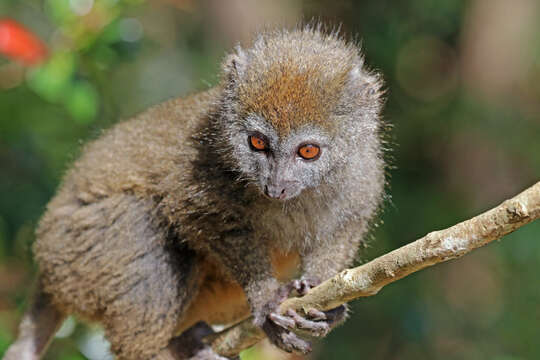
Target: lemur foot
{"points": [[190, 346], [280, 328], [332, 317]]}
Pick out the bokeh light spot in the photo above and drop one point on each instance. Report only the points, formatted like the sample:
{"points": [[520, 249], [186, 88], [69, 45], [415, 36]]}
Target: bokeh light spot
{"points": [[130, 29], [81, 7]]}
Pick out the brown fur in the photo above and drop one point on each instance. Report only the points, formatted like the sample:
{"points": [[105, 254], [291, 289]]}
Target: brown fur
{"points": [[289, 98], [298, 84], [224, 302], [155, 227]]}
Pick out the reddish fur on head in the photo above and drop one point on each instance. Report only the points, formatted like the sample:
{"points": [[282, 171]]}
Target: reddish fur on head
{"points": [[293, 78], [288, 97]]}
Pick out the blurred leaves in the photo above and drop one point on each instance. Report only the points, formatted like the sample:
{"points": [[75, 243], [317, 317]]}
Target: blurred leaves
{"points": [[81, 22], [52, 81], [83, 41], [82, 102], [55, 82], [465, 140]]}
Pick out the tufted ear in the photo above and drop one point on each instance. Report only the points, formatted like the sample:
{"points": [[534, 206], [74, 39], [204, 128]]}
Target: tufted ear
{"points": [[365, 83], [235, 64]]}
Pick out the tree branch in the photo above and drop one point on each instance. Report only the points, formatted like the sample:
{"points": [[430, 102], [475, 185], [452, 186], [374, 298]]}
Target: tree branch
{"points": [[368, 279]]}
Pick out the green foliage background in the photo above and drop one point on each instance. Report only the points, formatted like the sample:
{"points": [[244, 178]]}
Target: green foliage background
{"points": [[462, 142]]}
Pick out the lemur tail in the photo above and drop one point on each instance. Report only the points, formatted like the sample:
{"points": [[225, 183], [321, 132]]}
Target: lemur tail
{"points": [[37, 328]]}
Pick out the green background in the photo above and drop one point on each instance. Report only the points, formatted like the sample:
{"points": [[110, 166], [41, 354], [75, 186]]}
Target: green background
{"points": [[463, 99]]}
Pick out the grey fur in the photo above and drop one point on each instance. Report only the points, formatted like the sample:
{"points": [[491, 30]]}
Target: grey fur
{"points": [[170, 204]]}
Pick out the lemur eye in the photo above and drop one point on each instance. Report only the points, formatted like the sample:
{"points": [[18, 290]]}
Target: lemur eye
{"points": [[257, 143], [309, 151]]}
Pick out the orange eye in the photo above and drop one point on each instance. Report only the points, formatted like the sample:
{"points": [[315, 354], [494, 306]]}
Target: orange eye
{"points": [[309, 151], [257, 143]]}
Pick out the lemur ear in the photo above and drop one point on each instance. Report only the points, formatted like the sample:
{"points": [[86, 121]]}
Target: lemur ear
{"points": [[365, 83], [235, 64]]}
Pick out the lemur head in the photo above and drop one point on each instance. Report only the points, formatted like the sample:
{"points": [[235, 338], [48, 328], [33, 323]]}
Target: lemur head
{"points": [[298, 106]]}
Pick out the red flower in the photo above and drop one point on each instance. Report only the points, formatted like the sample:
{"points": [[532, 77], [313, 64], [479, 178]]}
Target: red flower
{"points": [[18, 43]]}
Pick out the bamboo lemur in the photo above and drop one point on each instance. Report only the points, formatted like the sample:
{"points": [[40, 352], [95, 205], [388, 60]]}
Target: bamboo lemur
{"points": [[200, 208]]}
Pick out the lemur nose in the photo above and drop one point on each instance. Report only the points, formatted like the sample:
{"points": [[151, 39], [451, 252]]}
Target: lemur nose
{"points": [[275, 192]]}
